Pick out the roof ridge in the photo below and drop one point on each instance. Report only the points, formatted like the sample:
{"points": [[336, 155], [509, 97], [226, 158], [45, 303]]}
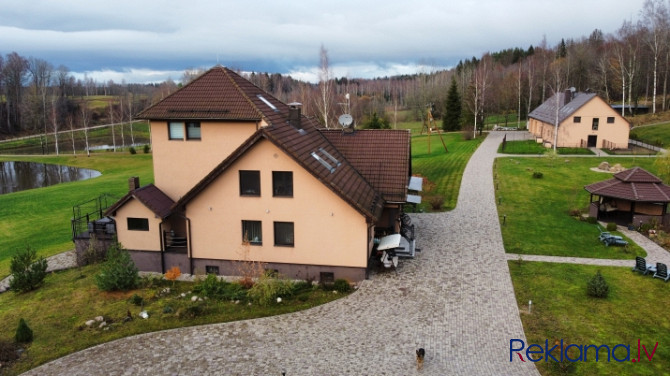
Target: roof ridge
{"points": [[227, 72], [658, 188]]}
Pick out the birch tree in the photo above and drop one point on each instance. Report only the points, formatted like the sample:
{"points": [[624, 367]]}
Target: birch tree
{"points": [[325, 86], [557, 71], [654, 22]]}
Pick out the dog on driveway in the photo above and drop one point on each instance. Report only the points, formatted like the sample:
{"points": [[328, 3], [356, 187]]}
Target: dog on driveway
{"points": [[420, 355]]}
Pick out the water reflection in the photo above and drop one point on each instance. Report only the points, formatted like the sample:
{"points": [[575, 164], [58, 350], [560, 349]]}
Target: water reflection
{"points": [[19, 176]]}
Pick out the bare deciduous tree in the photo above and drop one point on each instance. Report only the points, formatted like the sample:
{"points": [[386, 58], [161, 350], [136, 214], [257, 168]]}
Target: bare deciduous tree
{"points": [[655, 24], [325, 86]]}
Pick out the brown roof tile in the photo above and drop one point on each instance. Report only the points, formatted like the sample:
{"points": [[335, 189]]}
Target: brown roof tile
{"points": [[381, 156], [218, 94], [150, 196], [300, 144], [635, 184]]}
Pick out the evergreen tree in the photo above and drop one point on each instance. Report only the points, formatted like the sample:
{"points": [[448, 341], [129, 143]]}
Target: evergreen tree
{"points": [[377, 122], [452, 117], [28, 271], [562, 50], [119, 271]]}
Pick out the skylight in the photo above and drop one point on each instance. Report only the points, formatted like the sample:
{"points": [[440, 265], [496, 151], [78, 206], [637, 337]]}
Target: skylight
{"points": [[332, 159], [323, 162], [267, 103]]}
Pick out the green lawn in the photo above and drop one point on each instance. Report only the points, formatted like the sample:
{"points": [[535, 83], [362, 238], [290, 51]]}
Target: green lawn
{"points": [[561, 309], [98, 136], [532, 147], [537, 210], [657, 135], [57, 312], [41, 217], [445, 169]]}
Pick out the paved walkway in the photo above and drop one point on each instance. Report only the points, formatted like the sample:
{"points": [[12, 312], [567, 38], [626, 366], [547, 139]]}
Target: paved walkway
{"points": [[455, 299]]}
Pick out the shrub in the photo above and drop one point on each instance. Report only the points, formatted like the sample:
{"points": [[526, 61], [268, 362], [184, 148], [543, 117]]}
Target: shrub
{"points": [[118, 272], [341, 285], [592, 220], [23, 333], [538, 175], [268, 288], [194, 310], [27, 270], [213, 287], [597, 286], [611, 226], [146, 149], [436, 202], [303, 286], [8, 351], [173, 273], [136, 300], [168, 309], [132, 150], [574, 212]]}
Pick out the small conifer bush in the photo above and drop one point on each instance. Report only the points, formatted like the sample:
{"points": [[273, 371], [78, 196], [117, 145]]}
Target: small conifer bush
{"points": [[597, 287], [23, 333], [118, 272], [28, 271]]}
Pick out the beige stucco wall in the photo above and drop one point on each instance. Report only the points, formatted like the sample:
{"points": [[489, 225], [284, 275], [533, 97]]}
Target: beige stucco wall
{"points": [[327, 231], [570, 133], [179, 165], [137, 240]]}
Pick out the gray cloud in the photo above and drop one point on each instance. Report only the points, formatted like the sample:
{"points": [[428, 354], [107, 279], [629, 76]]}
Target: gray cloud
{"points": [[362, 37]]}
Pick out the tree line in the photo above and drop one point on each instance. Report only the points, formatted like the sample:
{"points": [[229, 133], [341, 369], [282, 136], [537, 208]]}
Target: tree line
{"points": [[629, 66]]}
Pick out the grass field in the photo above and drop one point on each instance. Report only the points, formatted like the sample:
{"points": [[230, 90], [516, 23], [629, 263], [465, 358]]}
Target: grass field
{"points": [[96, 137], [537, 210], [657, 135], [561, 309], [41, 217], [445, 169], [530, 147]]}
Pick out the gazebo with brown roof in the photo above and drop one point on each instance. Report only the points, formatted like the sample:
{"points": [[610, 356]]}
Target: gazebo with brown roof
{"points": [[634, 196]]}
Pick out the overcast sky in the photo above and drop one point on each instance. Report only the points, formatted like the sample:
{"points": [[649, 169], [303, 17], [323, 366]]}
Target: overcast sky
{"points": [[150, 40]]}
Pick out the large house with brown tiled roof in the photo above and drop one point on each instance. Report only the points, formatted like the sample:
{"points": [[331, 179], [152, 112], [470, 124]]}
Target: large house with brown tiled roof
{"points": [[239, 175], [584, 120]]}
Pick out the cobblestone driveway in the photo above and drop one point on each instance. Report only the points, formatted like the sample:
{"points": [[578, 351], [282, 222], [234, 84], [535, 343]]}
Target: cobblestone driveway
{"points": [[455, 300]]}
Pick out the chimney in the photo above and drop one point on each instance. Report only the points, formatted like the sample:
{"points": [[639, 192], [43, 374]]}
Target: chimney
{"points": [[133, 183], [567, 97], [294, 114]]}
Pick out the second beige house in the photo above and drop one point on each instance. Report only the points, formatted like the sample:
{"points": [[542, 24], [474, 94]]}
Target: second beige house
{"points": [[584, 120]]}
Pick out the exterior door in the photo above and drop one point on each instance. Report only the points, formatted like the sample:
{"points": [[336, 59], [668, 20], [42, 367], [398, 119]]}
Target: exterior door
{"points": [[592, 141]]}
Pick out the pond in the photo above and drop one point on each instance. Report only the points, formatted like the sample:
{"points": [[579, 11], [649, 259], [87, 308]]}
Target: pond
{"points": [[19, 176]]}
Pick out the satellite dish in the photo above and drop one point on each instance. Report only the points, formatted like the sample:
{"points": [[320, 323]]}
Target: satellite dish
{"points": [[345, 120]]}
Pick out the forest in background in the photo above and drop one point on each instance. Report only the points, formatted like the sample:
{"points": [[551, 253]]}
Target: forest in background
{"points": [[627, 66]]}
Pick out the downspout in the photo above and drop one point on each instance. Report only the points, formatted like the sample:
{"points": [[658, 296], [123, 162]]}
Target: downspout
{"points": [[160, 234], [189, 252]]}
